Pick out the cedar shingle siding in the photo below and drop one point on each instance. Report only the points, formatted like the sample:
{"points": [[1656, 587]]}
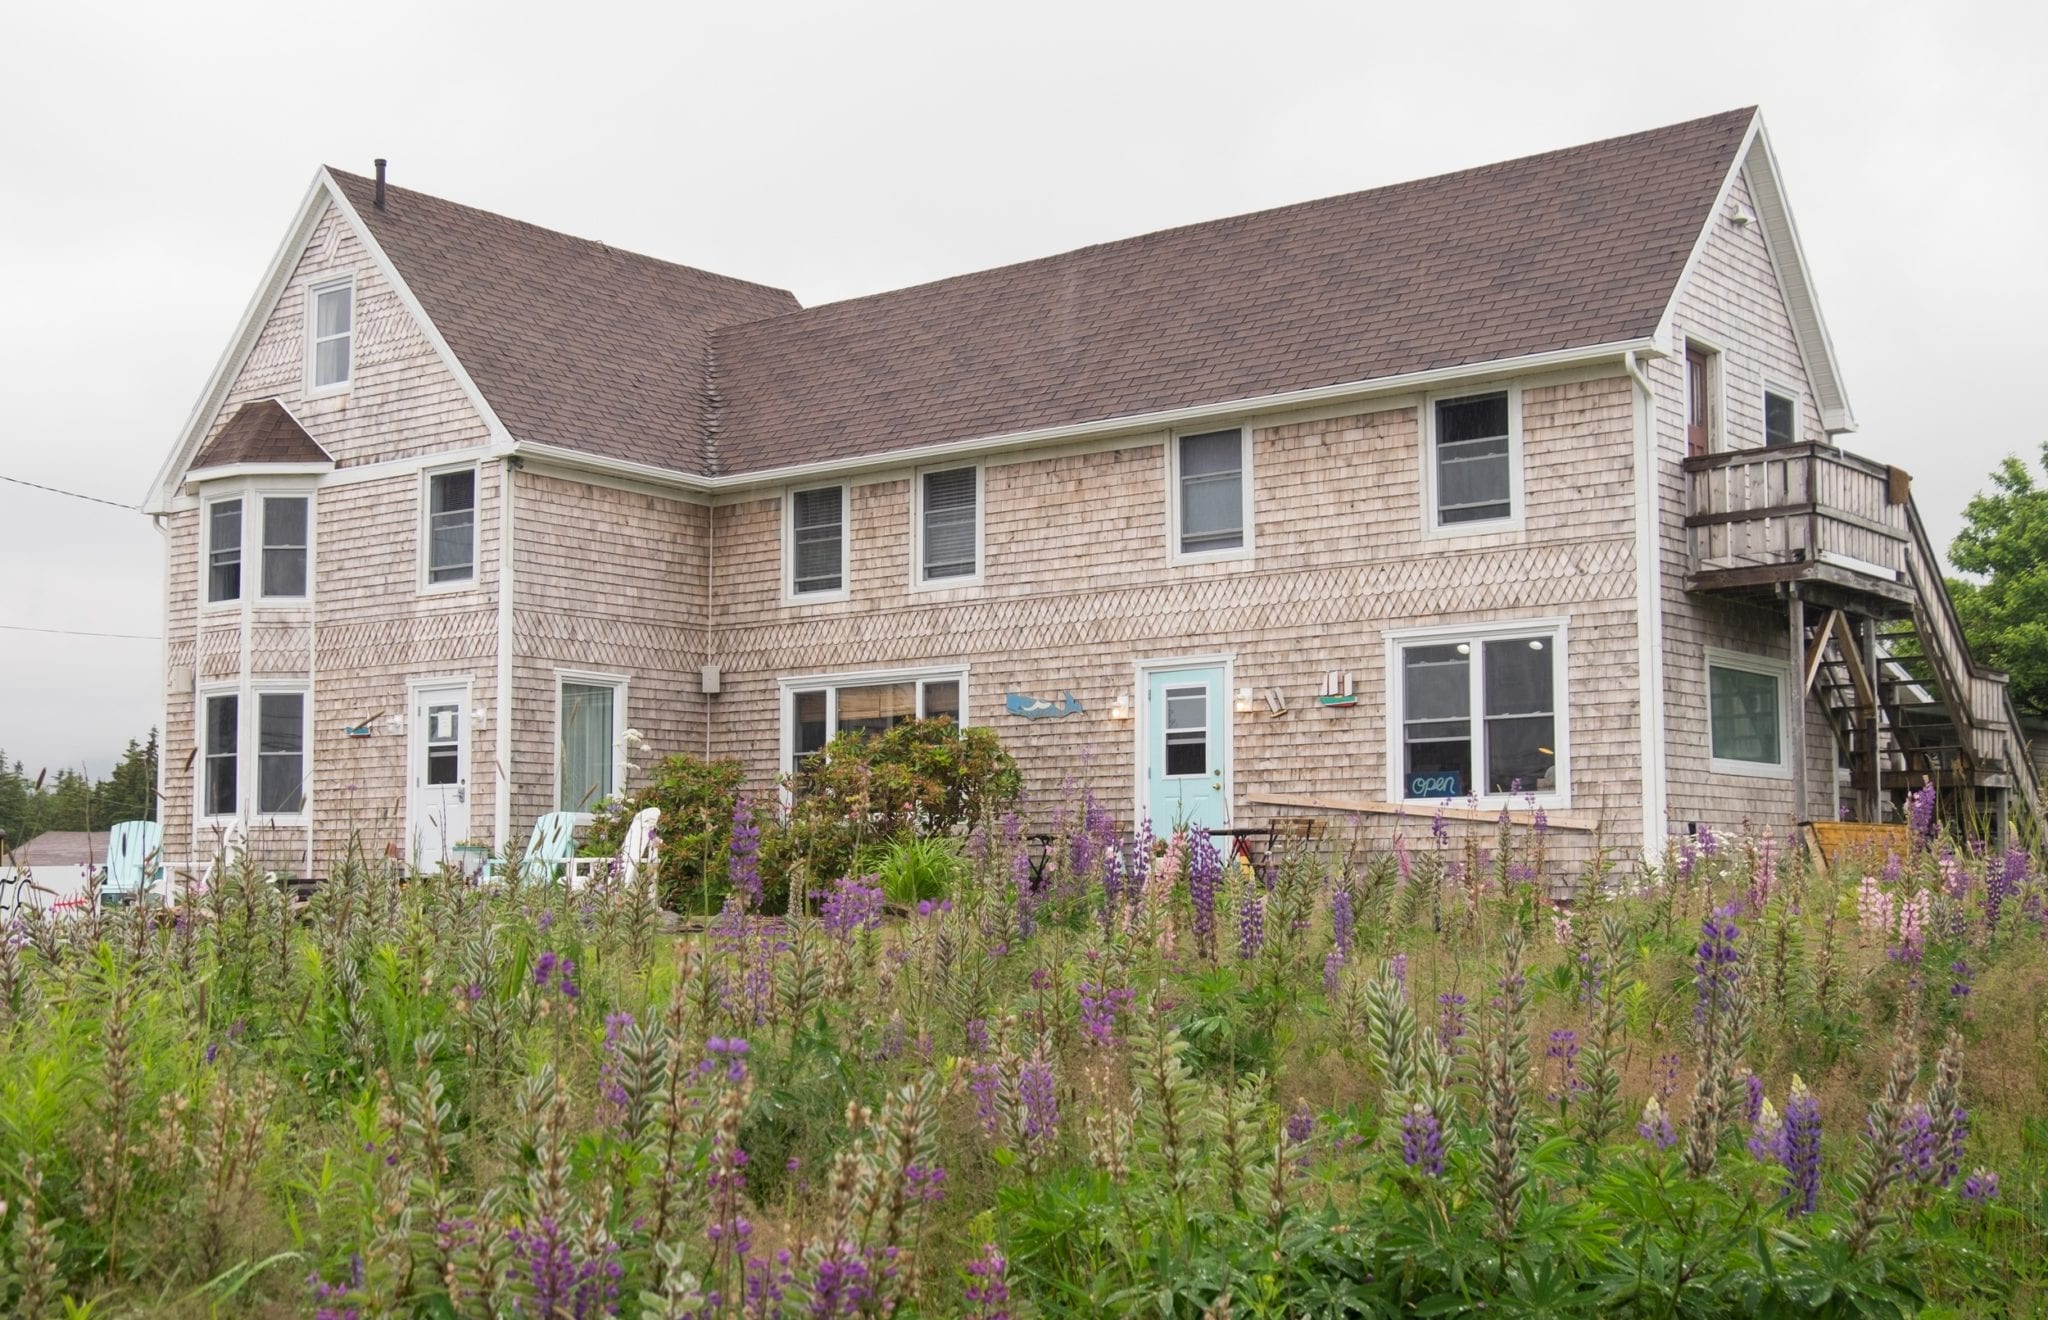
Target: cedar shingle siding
{"points": [[649, 574]]}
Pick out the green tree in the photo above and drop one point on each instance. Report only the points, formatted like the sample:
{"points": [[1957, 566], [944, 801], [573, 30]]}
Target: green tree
{"points": [[15, 808], [2003, 602], [129, 793]]}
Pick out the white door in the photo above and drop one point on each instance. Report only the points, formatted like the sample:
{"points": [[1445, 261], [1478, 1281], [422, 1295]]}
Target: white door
{"points": [[440, 774]]}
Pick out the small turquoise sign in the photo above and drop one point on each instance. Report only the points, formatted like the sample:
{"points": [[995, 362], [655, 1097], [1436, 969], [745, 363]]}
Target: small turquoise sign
{"points": [[1440, 784], [1038, 708]]}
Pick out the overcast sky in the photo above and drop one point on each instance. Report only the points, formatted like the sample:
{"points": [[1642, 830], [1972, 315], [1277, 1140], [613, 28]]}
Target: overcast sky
{"points": [[154, 155]]}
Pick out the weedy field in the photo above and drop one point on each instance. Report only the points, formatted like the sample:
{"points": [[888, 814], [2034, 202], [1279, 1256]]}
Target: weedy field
{"points": [[1349, 1082]]}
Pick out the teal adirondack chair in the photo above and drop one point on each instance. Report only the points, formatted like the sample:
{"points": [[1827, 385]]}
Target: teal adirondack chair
{"points": [[547, 852], [135, 861]]}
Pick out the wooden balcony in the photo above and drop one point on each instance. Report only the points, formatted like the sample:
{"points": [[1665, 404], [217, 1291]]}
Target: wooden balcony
{"points": [[1833, 522]]}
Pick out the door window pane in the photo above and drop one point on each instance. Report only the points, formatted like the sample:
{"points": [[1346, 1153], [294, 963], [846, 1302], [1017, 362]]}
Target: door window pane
{"points": [[224, 550], [1473, 478], [451, 526], [280, 752], [588, 740], [949, 523], [1781, 418], [1745, 715], [1211, 491], [223, 738], [1187, 731], [817, 521], [444, 745], [284, 545]]}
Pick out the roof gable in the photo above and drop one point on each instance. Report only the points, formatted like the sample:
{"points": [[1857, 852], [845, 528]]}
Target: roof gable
{"points": [[261, 432], [575, 344], [1567, 249]]}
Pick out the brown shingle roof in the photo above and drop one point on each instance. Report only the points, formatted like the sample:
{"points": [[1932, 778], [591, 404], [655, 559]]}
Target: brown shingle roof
{"points": [[63, 848], [1572, 248], [261, 432], [572, 343]]}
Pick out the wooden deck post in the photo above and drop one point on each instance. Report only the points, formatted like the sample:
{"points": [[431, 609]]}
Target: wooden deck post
{"points": [[1795, 615], [1872, 806]]}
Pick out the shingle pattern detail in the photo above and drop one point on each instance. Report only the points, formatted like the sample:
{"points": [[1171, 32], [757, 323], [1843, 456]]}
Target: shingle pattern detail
{"points": [[261, 432]]}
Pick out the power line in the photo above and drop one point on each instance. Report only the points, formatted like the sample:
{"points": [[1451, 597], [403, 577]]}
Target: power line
{"points": [[55, 490], [75, 632]]}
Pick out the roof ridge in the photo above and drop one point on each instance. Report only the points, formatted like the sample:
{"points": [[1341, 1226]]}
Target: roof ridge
{"points": [[630, 254], [1269, 212]]}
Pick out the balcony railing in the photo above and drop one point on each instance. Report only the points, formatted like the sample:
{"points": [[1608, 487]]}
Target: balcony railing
{"points": [[1797, 512]]}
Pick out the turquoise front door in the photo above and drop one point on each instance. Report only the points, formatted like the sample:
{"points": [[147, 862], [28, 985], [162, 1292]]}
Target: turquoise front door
{"points": [[1184, 748]]}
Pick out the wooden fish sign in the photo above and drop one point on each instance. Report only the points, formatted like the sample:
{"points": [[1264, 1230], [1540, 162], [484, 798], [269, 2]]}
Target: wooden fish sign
{"points": [[1038, 708]]}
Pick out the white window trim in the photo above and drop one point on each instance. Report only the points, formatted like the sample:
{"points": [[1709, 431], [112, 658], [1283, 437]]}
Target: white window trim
{"points": [[620, 685], [1245, 550], [314, 288], [787, 688], [1558, 631], [248, 767], [1767, 388], [427, 586], [252, 491], [790, 595], [1770, 667], [1517, 503], [918, 581]]}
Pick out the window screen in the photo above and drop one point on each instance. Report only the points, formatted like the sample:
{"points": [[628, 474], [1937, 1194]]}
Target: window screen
{"points": [[451, 526], [224, 550], [280, 752], [1745, 715], [817, 524], [1521, 726], [1211, 491], [949, 523], [284, 545], [333, 318], [1473, 480], [219, 789], [587, 744]]}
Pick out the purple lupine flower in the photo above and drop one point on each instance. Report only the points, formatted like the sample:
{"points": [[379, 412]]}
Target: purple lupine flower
{"points": [[743, 854], [924, 1182], [1920, 809], [1205, 868], [1655, 1126], [1038, 1094], [1397, 967], [1099, 1008], [1765, 878], [840, 1283], [1450, 1018], [1709, 845], [984, 1083], [327, 1297], [988, 1289], [1952, 1158], [1301, 1124], [1563, 1050], [1802, 1149], [612, 1097], [1960, 988], [1767, 1135], [851, 905], [1341, 922], [2001, 882], [1333, 969], [1438, 829], [1664, 1076], [562, 1282], [1916, 1145], [1717, 966], [558, 968], [1980, 1187], [977, 1035], [1251, 926], [1688, 858], [1422, 1142], [1752, 1098]]}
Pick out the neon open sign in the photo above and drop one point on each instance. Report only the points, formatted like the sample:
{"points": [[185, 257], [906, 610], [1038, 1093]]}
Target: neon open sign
{"points": [[1442, 784]]}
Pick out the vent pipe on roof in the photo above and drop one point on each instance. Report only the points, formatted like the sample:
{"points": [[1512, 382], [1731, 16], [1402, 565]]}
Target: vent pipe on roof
{"points": [[380, 183]]}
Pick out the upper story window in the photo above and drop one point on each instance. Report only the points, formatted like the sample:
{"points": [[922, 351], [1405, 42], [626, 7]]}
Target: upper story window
{"points": [[1479, 713], [450, 528], [817, 541], [286, 521], [1746, 714], [949, 526], [330, 335], [1212, 490], [223, 551], [1781, 417], [1472, 458]]}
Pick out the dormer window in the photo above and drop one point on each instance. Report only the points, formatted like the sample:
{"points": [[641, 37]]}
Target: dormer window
{"points": [[330, 335]]}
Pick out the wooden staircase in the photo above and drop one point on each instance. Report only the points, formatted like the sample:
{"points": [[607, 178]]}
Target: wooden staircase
{"points": [[1837, 540]]}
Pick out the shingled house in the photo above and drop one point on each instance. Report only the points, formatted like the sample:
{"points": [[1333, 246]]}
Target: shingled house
{"points": [[1521, 483]]}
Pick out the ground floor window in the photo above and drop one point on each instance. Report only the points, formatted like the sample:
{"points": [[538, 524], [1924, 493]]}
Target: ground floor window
{"points": [[1477, 712], [219, 791], [280, 753], [816, 709], [591, 753], [1746, 713], [275, 743]]}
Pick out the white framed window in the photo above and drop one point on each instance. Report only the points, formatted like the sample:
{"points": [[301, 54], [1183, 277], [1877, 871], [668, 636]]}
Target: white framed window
{"points": [[448, 529], [221, 566], [945, 521], [814, 538], [1209, 495], [1781, 416], [254, 751], [1472, 462], [590, 741], [1480, 711], [220, 733], [819, 706], [1746, 708], [287, 544], [330, 335]]}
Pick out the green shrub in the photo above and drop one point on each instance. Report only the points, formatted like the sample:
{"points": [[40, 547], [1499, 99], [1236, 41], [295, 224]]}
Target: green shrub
{"points": [[918, 867], [922, 777], [697, 799]]}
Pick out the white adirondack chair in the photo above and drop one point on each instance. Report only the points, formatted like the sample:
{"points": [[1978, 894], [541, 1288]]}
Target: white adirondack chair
{"points": [[638, 850]]}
